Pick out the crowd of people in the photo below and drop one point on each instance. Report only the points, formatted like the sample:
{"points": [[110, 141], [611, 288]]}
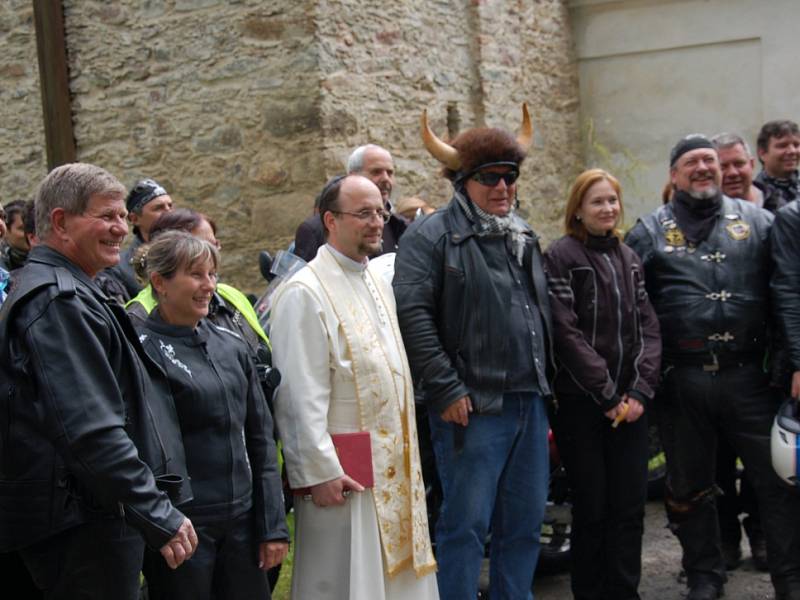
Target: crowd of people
{"points": [[139, 392]]}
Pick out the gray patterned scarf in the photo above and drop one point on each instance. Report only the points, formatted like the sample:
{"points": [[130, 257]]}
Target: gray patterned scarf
{"points": [[494, 224]]}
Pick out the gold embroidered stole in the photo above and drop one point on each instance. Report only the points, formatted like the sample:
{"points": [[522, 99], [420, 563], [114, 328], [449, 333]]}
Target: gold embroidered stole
{"points": [[386, 413]]}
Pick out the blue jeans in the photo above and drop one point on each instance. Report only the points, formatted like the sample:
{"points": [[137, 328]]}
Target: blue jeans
{"points": [[497, 479]]}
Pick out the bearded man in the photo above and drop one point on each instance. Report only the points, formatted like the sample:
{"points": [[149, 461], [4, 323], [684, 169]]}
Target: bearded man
{"points": [[707, 265], [473, 308]]}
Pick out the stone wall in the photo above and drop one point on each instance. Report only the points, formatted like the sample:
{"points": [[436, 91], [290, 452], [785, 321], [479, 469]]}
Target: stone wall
{"points": [[242, 109], [23, 160]]}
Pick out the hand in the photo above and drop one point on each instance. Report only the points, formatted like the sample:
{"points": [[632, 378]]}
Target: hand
{"points": [[271, 554], [181, 546], [796, 385], [330, 493], [635, 409], [458, 411], [617, 410]]}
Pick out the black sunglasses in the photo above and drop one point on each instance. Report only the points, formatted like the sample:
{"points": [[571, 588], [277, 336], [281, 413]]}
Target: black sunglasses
{"points": [[492, 179]]}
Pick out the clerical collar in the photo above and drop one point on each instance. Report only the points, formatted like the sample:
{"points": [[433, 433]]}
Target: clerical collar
{"points": [[347, 262]]}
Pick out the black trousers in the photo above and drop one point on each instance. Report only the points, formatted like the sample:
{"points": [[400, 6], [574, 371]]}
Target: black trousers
{"points": [[223, 567], [694, 408], [95, 561], [733, 502], [16, 577], [607, 473]]}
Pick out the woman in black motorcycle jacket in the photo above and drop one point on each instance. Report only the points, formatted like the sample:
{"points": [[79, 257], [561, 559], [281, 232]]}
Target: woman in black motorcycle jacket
{"points": [[608, 351], [226, 427]]}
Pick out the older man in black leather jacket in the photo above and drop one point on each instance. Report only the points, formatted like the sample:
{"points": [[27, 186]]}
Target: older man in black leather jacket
{"points": [[473, 309], [707, 265], [84, 429]]}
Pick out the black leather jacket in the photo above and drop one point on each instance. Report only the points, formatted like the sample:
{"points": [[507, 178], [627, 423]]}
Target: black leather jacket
{"points": [[225, 424], [713, 300], [455, 322], [85, 419], [785, 284]]}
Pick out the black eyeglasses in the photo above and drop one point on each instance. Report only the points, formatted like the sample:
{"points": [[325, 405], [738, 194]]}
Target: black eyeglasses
{"points": [[492, 179], [366, 215]]}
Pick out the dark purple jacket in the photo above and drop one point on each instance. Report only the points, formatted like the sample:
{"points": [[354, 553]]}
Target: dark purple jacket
{"points": [[605, 331]]}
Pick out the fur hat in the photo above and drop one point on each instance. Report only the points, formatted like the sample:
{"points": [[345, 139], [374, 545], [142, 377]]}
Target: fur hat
{"points": [[478, 147]]}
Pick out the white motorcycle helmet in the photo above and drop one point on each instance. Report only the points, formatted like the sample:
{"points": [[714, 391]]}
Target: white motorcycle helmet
{"points": [[785, 443]]}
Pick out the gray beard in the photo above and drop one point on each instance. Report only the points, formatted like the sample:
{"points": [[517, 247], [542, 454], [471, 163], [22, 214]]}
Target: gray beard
{"points": [[705, 194]]}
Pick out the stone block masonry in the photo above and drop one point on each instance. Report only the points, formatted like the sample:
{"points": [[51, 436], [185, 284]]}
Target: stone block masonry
{"points": [[243, 109]]}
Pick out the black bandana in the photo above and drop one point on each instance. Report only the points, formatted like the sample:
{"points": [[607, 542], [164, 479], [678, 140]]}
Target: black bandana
{"points": [[695, 218], [143, 192]]}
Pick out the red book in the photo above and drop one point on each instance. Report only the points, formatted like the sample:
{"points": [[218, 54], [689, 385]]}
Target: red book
{"points": [[354, 451]]}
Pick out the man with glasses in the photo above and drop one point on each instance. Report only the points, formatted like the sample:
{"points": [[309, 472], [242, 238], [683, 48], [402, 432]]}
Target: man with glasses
{"points": [[473, 308], [337, 344], [376, 164]]}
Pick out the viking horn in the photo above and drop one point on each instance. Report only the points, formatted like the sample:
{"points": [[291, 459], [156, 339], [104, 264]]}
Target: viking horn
{"points": [[525, 136], [441, 151]]}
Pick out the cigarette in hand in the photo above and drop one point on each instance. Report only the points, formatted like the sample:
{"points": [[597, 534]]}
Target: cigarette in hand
{"points": [[621, 415]]}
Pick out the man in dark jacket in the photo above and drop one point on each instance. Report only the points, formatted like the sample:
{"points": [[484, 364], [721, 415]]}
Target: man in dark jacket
{"points": [[80, 449], [473, 309], [14, 248], [778, 146], [707, 264], [736, 165], [145, 202]]}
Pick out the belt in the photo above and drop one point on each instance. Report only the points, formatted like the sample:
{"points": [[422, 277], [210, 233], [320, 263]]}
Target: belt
{"points": [[711, 361]]}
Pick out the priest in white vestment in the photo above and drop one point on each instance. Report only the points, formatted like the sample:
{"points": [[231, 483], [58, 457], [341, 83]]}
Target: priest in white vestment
{"points": [[338, 347]]}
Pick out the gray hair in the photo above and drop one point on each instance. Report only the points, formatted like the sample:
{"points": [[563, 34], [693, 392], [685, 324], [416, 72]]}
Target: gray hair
{"points": [[729, 140], [70, 187], [355, 162], [171, 251]]}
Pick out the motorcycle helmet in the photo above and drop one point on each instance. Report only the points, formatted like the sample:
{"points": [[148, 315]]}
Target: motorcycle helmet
{"points": [[785, 443]]}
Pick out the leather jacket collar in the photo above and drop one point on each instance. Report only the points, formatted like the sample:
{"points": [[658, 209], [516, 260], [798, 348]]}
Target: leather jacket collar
{"points": [[49, 256], [194, 336]]}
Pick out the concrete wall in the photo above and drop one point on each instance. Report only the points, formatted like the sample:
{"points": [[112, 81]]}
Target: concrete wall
{"points": [[652, 71], [242, 109]]}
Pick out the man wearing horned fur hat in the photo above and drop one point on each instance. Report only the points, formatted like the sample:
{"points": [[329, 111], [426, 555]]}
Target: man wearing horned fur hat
{"points": [[473, 310]]}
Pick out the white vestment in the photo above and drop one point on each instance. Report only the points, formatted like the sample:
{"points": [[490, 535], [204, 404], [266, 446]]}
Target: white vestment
{"points": [[340, 553]]}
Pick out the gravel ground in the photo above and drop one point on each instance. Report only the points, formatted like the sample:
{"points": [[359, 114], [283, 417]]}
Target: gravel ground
{"points": [[661, 559]]}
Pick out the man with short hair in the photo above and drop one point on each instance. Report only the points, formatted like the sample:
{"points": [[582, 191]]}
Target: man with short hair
{"points": [[376, 164], [338, 346], [474, 311], [88, 425], [15, 248], [736, 164], [707, 264], [146, 201], [778, 147]]}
